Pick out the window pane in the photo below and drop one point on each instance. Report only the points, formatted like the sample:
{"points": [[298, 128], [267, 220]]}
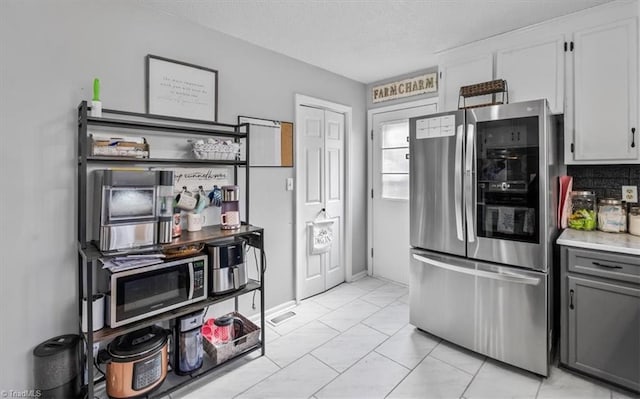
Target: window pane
{"points": [[394, 134], [395, 186], [395, 161]]}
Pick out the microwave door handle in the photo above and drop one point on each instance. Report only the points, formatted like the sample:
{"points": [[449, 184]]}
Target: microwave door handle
{"points": [[469, 181], [191, 281], [458, 182], [506, 277]]}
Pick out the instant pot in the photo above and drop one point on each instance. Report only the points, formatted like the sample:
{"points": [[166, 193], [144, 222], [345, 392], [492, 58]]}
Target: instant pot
{"points": [[136, 362]]}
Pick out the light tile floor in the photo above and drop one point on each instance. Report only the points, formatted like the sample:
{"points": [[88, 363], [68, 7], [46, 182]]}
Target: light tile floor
{"points": [[355, 341]]}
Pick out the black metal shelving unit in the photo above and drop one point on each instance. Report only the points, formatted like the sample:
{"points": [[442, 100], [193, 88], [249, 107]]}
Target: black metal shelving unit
{"points": [[89, 255]]}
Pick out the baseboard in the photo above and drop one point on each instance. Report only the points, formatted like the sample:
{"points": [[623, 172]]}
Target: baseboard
{"points": [[271, 311], [359, 275]]}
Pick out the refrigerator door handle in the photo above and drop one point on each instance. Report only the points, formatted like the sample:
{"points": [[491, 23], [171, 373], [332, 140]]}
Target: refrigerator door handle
{"points": [[508, 277], [458, 183], [469, 181]]}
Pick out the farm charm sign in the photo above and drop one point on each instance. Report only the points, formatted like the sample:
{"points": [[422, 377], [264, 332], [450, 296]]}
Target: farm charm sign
{"points": [[405, 88]]}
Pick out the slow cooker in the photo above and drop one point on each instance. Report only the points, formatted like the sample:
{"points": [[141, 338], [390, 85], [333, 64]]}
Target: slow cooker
{"points": [[137, 362]]}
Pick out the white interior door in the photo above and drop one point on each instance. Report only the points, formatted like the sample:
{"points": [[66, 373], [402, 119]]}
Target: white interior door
{"points": [[390, 198], [320, 164], [334, 199]]}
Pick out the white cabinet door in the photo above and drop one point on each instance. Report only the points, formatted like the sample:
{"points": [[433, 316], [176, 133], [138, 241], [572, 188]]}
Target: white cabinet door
{"points": [[534, 71], [605, 101], [455, 75]]}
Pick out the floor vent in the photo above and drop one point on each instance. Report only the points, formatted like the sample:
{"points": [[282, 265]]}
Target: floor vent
{"points": [[282, 318]]}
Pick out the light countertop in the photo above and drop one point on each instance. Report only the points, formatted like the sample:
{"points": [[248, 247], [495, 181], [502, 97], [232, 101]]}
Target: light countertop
{"points": [[598, 240]]}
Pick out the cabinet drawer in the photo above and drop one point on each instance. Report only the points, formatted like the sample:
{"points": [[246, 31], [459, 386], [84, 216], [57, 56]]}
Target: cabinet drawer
{"points": [[603, 264]]}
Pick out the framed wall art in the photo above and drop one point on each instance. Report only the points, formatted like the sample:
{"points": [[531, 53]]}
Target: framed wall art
{"points": [[181, 90]]}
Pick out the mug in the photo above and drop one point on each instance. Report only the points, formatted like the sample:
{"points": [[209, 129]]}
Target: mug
{"points": [[230, 218], [186, 201], [194, 221], [201, 203]]}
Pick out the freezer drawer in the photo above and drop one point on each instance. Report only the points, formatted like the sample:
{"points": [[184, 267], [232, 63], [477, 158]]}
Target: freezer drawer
{"points": [[494, 310]]}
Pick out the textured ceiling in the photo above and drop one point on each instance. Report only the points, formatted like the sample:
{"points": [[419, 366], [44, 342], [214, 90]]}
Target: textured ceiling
{"points": [[366, 40]]}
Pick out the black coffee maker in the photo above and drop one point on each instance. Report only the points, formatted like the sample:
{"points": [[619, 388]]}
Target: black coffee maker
{"points": [[188, 352]]}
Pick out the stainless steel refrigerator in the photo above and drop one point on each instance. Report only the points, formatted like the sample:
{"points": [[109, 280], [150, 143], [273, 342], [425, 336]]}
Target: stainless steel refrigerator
{"points": [[482, 205]]}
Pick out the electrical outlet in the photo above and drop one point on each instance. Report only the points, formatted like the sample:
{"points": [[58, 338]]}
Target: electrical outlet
{"points": [[630, 193], [289, 183]]}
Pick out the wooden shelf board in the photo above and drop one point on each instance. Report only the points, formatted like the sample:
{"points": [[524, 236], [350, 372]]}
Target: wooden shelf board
{"points": [[145, 125], [108, 333], [108, 159]]}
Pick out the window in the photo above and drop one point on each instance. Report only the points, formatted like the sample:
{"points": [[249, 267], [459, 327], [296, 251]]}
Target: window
{"points": [[395, 160]]}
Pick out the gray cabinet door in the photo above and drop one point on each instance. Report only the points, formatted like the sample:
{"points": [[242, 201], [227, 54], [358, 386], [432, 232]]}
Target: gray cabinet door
{"points": [[604, 330]]}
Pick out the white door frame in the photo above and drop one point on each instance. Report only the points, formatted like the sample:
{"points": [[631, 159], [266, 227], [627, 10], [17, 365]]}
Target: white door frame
{"points": [[370, 127], [347, 256]]}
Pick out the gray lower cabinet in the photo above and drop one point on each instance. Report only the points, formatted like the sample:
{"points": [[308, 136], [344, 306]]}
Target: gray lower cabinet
{"points": [[600, 315]]}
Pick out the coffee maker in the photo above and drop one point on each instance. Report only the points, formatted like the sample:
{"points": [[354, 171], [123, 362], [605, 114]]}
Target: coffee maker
{"points": [[230, 209], [188, 352], [165, 206]]}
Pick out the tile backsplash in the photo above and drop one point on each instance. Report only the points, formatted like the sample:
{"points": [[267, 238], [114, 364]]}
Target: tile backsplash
{"points": [[605, 180]]}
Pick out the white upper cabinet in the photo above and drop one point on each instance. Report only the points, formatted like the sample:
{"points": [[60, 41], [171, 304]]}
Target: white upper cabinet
{"points": [[605, 95], [455, 74], [534, 70]]}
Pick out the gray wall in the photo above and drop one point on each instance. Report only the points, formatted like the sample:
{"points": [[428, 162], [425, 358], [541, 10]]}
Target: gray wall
{"points": [[371, 105], [49, 54]]}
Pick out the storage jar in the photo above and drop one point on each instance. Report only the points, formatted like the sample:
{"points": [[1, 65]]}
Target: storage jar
{"points": [[583, 210], [612, 215], [634, 220]]}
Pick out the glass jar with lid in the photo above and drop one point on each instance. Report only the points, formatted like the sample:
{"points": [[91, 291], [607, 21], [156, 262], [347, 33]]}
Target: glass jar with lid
{"points": [[634, 220], [612, 215], [583, 210]]}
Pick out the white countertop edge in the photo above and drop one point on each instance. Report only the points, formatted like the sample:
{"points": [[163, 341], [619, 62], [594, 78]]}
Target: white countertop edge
{"points": [[610, 242]]}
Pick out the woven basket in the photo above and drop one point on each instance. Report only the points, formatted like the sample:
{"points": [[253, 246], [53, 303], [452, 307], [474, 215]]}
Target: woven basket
{"points": [[479, 89], [214, 149], [220, 353]]}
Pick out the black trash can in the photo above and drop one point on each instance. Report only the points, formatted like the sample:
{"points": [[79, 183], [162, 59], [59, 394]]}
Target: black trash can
{"points": [[56, 367]]}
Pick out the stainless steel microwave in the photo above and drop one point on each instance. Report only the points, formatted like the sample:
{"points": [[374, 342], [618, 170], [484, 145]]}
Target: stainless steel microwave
{"points": [[146, 291]]}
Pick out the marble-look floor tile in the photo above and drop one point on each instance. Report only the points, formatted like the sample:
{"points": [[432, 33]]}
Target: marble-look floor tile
{"points": [[339, 296], [349, 315], [404, 299], [390, 319], [306, 312], [458, 357], [386, 294], [368, 283], [408, 346], [270, 334], [372, 377], [498, 380], [432, 378], [293, 346], [349, 347], [563, 384], [300, 379], [235, 382]]}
